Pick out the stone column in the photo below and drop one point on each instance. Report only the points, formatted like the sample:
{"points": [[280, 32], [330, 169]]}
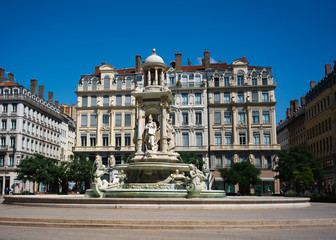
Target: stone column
{"points": [[273, 121], [149, 81], [141, 124], [162, 78], [3, 185], [156, 77], [164, 143], [249, 122], [99, 122], [111, 129], [234, 124]]}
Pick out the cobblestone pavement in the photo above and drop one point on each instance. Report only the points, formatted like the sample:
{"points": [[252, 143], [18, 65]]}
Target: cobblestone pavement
{"points": [[26, 233]]}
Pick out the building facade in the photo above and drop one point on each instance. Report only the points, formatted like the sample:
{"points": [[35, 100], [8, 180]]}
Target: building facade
{"points": [[222, 112], [29, 125]]}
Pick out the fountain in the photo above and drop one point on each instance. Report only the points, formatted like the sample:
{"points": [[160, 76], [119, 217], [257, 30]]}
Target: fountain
{"points": [[154, 171]]}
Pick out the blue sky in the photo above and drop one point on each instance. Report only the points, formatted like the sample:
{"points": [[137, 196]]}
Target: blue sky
{"points": [[56, 42]]}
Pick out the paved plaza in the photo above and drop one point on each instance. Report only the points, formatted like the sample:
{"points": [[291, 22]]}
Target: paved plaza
{"points": [[317, 211]]}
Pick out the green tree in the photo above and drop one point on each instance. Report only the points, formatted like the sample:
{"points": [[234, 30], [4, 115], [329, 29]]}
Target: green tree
{"points": [[299, 167], [37, 169], [191, 158], [80, 170], [242, 173]]}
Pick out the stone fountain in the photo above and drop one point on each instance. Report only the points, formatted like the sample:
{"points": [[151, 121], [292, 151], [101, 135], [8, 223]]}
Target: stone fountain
{"points": [[154, 171]]}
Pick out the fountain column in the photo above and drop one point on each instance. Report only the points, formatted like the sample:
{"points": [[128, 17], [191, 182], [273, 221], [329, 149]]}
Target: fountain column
{"points": [[164, 142], [141, 125]]}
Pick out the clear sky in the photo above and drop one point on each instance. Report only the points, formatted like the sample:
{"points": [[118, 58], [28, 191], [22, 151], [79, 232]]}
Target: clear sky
{"points": [[56, 42]]}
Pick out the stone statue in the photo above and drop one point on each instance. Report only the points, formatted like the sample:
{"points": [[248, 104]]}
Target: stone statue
{"points": [[122, 177], [150, 134], [235, 158], [178, 178], [99, 185], [170, 135], [251, 158], [196, 184]]}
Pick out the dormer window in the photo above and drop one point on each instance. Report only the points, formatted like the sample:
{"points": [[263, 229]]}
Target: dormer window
{"points": [[240, 78]]}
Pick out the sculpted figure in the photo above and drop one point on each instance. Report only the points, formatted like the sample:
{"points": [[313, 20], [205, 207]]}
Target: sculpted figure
{"points": [[235, 158], [170, 135], [251, 158], [196, 183], [150, 134], [178, 178]]}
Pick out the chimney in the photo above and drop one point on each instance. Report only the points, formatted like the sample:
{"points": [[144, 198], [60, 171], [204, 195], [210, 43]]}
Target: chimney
{"points": [[41, 92], [288, 112], [10, 77], [97, 71], [296, 105], [244, 58], [178, 62], [137, 64], [33, 86], [206, 60], [50, 97], [189, 63], [327, 69], [312, 84], [2, 75], [303, 101], [56, 103], [292, 105]]}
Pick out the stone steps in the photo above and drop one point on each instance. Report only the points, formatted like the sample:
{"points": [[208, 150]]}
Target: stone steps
{"points": [[238, 225]]}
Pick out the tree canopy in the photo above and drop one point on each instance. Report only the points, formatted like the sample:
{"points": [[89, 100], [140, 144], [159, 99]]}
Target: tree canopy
{"points": [[298, 166], [191, 158], [242, 173]]}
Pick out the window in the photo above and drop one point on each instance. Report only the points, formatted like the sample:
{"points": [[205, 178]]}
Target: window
{"points": [[267, 137], [240, 97], [92, 139], [227, 117], [226, 80], [106, 82], [106, 101], [83, 121], [198, 98], [4, 124], [3, 142], [128, 83], [83, 139], [218, 138], [228, 160], [228, 138], [106, 120], [216, 81], [184, 98], [240, 78], [185, 139], [242, 138], [11, 160], [264, 78], [84, 101], [118, 100], [172, 117], [2, 160], [254, 79], [5, 107], [242, 158], [127, 139], [219, 163], [199, 139], [197, 80], [217, 117], [268, 162], [255, 96], [127, 119], [241, 117], [85, 84], [185, 118], [184, 81], [216, 97], [118, 139], [198, 118], [13, 124], [119, 83], [226, 97], [255, 116], [105, 161], [171, 81], [12, 142], [127, 100], [257, 161], [93, 120], [256, 138], [14, 107], [118, 120], [94, 84], [93, 101], [266, 116], [264, 96]]}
